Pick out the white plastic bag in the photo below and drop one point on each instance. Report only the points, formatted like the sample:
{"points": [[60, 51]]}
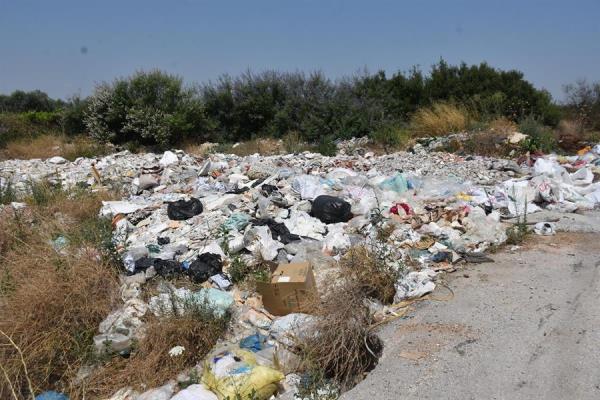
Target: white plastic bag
{"points": [[415, 284], [308, 186], [195, 392], [168, 158]]}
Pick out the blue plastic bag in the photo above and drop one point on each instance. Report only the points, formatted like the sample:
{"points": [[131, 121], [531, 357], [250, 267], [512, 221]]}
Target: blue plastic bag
{"points": [[51, 395], [396, 183], [254, 342]]}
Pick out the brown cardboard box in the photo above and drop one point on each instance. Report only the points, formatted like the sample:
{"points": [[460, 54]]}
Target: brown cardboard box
{"points": [[291, 287]]}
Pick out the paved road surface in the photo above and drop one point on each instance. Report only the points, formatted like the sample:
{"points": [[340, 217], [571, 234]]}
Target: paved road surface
{"points": [[524, 327]]}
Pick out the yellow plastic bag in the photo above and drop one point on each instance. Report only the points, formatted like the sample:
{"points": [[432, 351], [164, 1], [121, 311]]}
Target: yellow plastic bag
{"points": [[463, 196], [583, 151], [235, 373]]}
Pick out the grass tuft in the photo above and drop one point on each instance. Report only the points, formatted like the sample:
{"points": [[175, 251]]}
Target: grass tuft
{"points": [[342, 355], [196, 328], [440, 119]]}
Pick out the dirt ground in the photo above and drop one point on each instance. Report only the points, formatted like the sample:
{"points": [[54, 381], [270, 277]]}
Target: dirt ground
{"points": [[523, 327]]}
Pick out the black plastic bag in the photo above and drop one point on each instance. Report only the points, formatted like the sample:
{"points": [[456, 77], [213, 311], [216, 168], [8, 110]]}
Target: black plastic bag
{"points": [[184, 209], [278, 230], [163, 240], [205, 266], [442, 256], [268, 190], [167, 268], [164, 268], [330, 209], [238, 190], [142, 264]]}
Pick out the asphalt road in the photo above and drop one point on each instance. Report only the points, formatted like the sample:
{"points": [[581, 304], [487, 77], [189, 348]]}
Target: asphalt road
{"points": [[524, 327]]}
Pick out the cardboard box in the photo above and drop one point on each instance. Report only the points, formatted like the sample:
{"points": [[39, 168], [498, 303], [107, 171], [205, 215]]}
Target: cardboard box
{"points": [[291, 288]]}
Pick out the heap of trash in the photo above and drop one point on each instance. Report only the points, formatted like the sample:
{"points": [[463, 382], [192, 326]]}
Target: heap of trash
{"points": [[187, 216]]}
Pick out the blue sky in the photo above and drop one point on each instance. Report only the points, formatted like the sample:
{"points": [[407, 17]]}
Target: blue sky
{"points": [[65, 47]]}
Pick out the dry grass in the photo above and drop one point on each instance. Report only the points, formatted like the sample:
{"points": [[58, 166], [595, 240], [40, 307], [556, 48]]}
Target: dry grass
{"points": [[290, 143], [502, 126], [371, 275], [339, 345], [52, 302], [440, 119], [198, 149], [150, 365], [344, 354], [293, 143], [487, 143], [265, 147], [45, 146], [570, 135], [40, 147], [262, 146]]}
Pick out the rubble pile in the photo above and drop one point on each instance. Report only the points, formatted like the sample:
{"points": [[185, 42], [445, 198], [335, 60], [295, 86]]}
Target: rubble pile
{"points": [[195, 217]]}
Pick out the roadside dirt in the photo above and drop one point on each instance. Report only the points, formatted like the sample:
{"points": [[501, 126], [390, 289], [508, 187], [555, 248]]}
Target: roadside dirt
{"points": [[523, 327]]}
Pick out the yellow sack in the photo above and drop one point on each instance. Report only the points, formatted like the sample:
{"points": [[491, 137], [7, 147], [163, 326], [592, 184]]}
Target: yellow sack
{"points": [[229, 378], [583, 151], [463, 196]]}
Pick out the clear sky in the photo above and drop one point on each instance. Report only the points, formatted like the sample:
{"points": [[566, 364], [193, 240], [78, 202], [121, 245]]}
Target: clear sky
{"points": [[65, 47]]}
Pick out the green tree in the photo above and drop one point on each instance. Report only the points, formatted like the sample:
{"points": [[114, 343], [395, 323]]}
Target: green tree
{"points": [[152, 108]]}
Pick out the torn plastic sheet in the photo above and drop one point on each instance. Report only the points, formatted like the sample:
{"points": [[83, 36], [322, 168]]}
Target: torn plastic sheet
{"points": [[308, 186], [302, 224], [259, 240], [336, 239], [518, 197], [289, 328], [112, 208], [415, 284]]}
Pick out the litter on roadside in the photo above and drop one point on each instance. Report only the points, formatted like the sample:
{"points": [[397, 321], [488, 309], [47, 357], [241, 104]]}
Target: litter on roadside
{"points": [[287, 220]]}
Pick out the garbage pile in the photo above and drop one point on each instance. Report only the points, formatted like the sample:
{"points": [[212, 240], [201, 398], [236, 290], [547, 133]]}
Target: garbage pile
{"points": [[185, 216], [561, 183]]}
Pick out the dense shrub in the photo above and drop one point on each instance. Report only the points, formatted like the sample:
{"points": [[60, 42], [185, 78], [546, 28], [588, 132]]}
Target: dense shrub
{"points": [[72, 116], [25, 126], [273, 103], [541, 138], [152, 108], [391, 137], [490, 91], [20, 101], [583, 104]]}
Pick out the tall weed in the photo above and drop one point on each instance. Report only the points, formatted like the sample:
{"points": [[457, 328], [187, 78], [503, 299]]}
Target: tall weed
{"points": [[440, 119]]}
